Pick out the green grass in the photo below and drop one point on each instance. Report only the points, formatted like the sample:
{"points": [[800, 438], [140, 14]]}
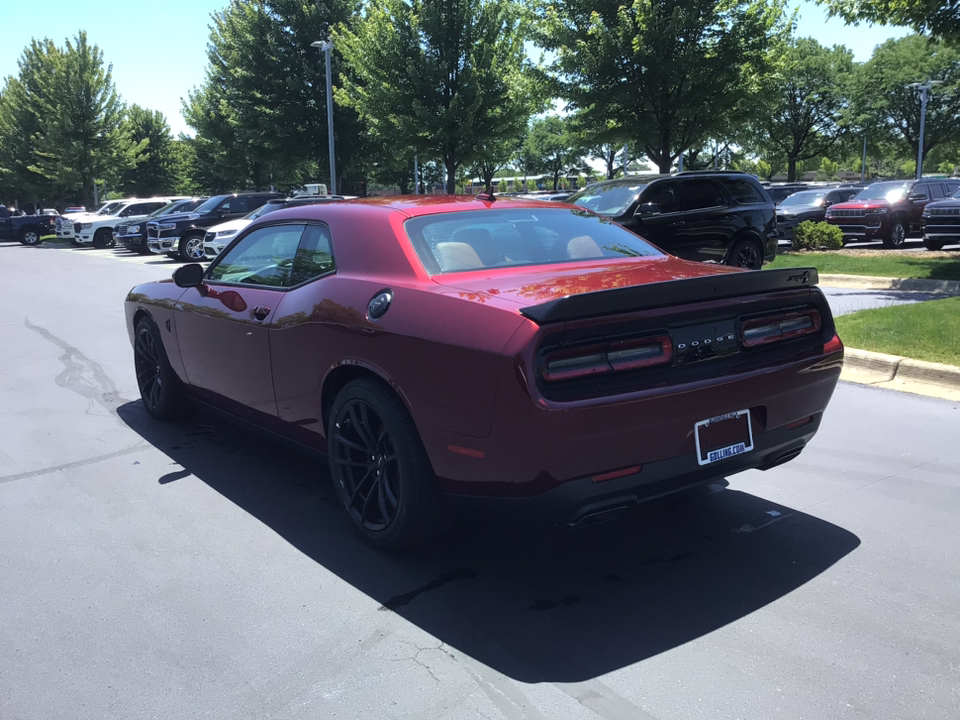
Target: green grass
{"points": [[895, 266], [924, 331]]}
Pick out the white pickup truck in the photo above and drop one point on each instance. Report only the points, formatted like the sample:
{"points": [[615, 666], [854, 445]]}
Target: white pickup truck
{"points": [[97, 228]]}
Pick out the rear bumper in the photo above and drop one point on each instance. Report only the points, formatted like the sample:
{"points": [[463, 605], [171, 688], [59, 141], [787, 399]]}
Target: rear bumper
{"points": [[545, 455], [581, 501]]}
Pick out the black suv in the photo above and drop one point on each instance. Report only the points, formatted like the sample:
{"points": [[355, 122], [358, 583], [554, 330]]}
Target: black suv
{"points": [[181, 236], [133, 235], [940, 221], [715, 216]]}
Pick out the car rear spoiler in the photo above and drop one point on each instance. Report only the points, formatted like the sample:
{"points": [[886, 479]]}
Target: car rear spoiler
{"points": [[672, 292]]}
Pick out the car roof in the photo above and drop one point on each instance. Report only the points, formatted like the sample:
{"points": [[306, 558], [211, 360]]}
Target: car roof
{"points": [[416, 205]]}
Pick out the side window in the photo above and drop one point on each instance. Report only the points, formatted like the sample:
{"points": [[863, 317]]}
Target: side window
{"points": [[934, 191], [847, 194], [264, 257], [951, 188], [742, 190], [666, 195], [314, 256], [701, 193]]}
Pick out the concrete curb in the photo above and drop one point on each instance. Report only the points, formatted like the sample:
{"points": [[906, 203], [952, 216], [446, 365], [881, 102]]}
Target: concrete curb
{"points": [[899, 373], [869, 282]]}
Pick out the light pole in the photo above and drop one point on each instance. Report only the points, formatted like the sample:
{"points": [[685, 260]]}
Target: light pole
{"points": [[327, 46], [924, 87]]}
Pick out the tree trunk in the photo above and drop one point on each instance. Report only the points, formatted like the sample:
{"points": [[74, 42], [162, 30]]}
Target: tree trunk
{"points": [[451, 167], [488, 174], [791, 168]]}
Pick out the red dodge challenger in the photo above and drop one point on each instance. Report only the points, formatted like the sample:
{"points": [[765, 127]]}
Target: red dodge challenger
{"points": [[534, 355]]}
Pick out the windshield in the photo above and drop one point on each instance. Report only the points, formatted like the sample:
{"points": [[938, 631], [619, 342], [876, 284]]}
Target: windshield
{"points": [[612, 200], [890, 191], [807, 199], [264, 209], [454, 242], [178, 206], [109, 208], [211, 204]]}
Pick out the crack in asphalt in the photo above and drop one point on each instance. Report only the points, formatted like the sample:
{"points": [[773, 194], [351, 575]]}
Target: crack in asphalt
{"points": [[102, 391], [79, 463]]}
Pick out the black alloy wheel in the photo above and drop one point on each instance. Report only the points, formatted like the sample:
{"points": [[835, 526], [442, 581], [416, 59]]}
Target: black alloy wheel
{"points": [[30, 237], [159, 386], [746, 254], [103, 238], [380, 470], [896, 235]]}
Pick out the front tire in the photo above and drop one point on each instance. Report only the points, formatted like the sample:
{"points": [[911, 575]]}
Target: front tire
{"points": [[746, 253], [160, 388], [896, 234], [380, 469], [931, 244], [30, 237], [103, 238], [191, 248]]}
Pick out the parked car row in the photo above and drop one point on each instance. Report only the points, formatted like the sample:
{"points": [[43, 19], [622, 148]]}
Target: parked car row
{"points": [[28, 229]]}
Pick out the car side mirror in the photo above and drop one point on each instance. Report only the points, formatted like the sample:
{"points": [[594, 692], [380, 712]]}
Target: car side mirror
{"points": [[918, 196], [188, 276], [648, 208]]}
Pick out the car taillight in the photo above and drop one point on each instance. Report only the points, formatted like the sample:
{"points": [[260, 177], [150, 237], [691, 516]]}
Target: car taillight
{"points": [[611, 357], [783, 326]]}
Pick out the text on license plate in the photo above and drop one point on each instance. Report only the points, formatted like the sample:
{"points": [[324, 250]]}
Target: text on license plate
{"points": [[723, 437]]}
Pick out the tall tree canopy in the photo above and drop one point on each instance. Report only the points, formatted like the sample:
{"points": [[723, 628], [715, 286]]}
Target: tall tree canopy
{"points": [[261, 117], [155, 173], [883, 92], [61, 122], [939, 18], [669, 74], [441, 76], [554, 149], [804, 103]]}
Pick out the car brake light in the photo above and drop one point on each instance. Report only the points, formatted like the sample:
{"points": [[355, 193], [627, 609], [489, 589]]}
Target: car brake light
{"points": [[613, 357], [776, 328]]}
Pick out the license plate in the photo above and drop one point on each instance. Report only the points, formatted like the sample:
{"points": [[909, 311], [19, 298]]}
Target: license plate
{"points": [[724, 436]]}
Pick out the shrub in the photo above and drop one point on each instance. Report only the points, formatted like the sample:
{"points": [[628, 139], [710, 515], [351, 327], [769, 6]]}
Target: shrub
{"points": [[817, 236]]}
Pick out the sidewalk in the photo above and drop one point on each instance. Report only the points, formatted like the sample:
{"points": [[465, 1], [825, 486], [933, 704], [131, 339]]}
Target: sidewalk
{"points": [[892, 371]]}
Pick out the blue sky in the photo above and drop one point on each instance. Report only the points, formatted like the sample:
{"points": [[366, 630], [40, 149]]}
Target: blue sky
{"points": [[158, 51]]}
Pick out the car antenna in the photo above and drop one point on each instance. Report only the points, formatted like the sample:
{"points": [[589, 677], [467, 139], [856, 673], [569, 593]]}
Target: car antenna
{"points": [[487, 195]]}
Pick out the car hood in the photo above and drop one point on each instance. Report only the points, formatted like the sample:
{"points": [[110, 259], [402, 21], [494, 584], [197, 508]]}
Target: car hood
{"points": [[799, 210], [526, 286], [861, 205], [176, 217], [948, 203], [237, 225]]}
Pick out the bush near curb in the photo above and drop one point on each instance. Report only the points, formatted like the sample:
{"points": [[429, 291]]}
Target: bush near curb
{"points": [[817, 236]]}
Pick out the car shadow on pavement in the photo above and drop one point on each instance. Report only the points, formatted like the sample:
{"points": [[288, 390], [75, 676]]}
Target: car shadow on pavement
{"points": [[538, 604]]}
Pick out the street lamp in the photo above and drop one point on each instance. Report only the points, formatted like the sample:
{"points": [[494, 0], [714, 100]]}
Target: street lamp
{"points": [[924, 87], [327, 46]]}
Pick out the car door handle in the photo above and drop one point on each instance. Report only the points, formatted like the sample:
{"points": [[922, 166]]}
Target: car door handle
{"points": [[261, 311], [678, 223]]}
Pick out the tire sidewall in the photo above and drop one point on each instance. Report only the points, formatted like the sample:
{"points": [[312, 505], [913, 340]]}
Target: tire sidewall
{"points": [[182, 247], [416, 491], [738, 246], [890, 239], [24, 234], [172, 402]]}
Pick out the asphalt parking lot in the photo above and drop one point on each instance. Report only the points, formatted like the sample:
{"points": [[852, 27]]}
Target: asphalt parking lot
{"points": [[196, 571]]}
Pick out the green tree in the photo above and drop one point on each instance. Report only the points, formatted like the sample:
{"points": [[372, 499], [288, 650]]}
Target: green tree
{"points": [[805, 102], [939, 19], [444, 78], [669, 75], [554, 149], [882, 93], [24, 119], [84, 142], [155, 173]]}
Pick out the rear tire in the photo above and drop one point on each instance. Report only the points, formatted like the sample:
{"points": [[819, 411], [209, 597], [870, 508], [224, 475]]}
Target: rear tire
{"points": [[896, 234], [160, 389], [746, 253], [931, 244], [380, 468]]}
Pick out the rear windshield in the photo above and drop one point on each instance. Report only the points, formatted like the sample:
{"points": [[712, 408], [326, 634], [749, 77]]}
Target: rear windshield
{"points": [[612, 200], [463, 241], [810, 197]]}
